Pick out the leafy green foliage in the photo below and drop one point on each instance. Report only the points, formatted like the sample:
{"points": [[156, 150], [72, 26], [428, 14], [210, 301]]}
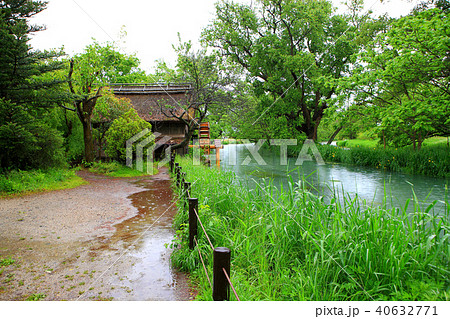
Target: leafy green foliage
{"points": [[26, 141], [121, 130], [293, 52], [108, 108], [403, 79], [70, 126], [429, 160], [102, 64]]}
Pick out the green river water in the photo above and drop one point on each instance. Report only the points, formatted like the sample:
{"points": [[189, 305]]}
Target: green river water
{"points": [[368, 183]]}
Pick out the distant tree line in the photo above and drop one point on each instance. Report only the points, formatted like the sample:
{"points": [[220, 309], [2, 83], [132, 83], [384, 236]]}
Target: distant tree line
{"points": [[274, 69]]}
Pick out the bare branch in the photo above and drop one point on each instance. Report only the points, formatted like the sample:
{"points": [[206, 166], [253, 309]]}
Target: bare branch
{"points": [[70, 77], [67, 108]]}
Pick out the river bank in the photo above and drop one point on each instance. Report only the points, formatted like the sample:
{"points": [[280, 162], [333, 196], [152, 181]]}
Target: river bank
{"points": [[429, 161], [294, 245]]}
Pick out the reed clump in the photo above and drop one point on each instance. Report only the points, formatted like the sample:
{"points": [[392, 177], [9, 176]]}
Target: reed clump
{"points": [[291, 244], [431, 161]]}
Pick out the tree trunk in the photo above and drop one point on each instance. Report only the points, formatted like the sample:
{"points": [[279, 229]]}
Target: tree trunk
{"points": [[186, 140], [419, 141], [88, 140], [68, 124], [334, 135]]}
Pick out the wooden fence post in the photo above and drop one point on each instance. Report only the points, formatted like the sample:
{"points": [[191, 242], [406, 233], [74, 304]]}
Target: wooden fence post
{"points": [[193, 205], [221, 287], [182, 181], [171, 162], [187, 189], [178, 172], [175, 168]]}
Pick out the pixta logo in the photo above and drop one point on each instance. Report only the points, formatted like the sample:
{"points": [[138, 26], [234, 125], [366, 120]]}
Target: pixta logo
{"points": [[146, 140], [253, 148]]}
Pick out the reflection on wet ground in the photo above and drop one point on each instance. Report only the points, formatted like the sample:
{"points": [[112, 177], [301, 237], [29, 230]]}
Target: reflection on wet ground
{"points": [[147, 237], [105, 240]]}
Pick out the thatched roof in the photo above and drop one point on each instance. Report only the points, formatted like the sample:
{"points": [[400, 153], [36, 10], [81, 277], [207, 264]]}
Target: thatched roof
{"points": [[147, 99]]}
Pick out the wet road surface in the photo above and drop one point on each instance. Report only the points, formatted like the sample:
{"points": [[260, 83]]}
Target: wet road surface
{"points": [[123, 255]]}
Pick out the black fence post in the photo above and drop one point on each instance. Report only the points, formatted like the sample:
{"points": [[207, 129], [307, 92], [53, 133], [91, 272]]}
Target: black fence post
{"points": [[172, 159], [178, 172], [221, 287], [193, 205], [175, 170], [187, 189], [183, 180]]}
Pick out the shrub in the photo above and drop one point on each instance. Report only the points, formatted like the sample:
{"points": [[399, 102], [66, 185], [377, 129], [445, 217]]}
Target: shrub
{"points": [[121, 130], [15, 182]]}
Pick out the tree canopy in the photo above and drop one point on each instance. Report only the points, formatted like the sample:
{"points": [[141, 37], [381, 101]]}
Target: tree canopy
{"points": [[27, 89], [293, 52], [403, 76], [98, 66]]}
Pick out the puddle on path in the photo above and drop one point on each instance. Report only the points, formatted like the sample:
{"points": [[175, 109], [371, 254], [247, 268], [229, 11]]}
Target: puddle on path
{"points": [[131, 261], [147, 235]]}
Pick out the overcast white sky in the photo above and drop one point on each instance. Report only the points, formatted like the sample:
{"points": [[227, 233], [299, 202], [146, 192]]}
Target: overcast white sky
{"points": [[151, 25]]}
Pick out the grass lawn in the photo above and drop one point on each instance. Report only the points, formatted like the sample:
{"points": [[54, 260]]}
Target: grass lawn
{"points": [[115, 169], [358, 143], [25, 182], [432, 141], [437, 140]]}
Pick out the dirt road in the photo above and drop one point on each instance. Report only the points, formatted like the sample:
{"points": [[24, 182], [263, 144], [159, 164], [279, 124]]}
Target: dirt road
{"points": [[105, 240]]}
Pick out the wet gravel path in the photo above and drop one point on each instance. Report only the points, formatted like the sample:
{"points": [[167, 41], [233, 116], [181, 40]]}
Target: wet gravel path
{"points": [[66, 244]]}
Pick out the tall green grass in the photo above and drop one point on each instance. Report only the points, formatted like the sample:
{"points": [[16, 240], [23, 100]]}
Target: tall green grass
{"points": [[293, 245], [432, 161]]}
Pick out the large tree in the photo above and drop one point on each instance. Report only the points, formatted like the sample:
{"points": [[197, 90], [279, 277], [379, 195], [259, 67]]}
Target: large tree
{"points": [[293, 52], [403, 78], [210, 82], [98, 66], [27, 89], [23, 70]]}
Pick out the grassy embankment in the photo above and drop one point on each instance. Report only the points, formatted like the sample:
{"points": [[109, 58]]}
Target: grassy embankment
{"points": [[25, 182], [433, 159], [293, 245]]}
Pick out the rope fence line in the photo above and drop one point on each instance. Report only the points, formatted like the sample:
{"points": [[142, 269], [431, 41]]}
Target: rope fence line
{"points": [[221, 282], [203, 263], [204, 231], [231, 285]]}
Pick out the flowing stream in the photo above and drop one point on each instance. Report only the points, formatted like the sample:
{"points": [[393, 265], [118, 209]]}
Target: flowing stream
{"points": [[368, 183]]}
